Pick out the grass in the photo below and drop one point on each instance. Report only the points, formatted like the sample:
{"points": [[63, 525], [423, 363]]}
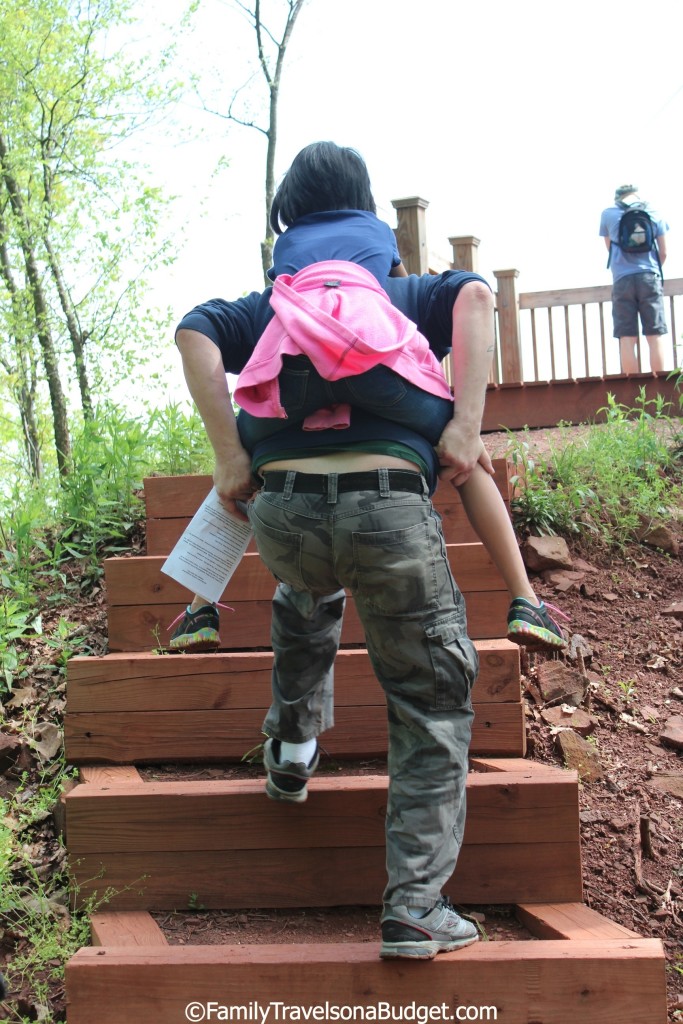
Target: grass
{"points": [[621, 476]]}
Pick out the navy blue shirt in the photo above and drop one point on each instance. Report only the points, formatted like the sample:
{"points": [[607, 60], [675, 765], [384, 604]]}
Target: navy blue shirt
{"points": [[428, 301], [356, 236]]}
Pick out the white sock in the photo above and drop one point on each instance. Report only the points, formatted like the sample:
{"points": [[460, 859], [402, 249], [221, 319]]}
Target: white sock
{"points": [[298, 753]]}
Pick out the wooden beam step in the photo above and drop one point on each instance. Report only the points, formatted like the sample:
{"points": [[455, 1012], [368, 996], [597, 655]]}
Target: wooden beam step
{"points": [[161, 535], [144, 627], [121, 737], [547, 403], [125, 708], [570, 921], [130, 928], [610, 980], [139, 580], [165, 845], [146, 681], [173, 496]]}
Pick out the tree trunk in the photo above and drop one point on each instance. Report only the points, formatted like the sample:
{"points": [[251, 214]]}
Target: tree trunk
{"points": [[24, 370], [60, 419], [269, 237], [41, 324], [76, 335], [273, 82], [27, 410]]}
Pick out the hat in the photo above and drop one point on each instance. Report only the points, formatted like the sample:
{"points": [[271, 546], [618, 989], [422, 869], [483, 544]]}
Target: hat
{"points": [[624, 190]]}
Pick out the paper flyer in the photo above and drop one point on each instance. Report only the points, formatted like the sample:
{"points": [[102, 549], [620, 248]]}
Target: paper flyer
{"points": [[209, 550]]}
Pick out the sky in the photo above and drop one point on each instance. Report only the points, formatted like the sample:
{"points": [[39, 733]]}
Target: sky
{"points": [[515, 121]]}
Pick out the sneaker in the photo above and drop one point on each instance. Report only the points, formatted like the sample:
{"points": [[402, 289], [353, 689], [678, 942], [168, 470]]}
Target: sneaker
{"points": [[198, 631], [421, 938], [287, 781], [534, 627]]}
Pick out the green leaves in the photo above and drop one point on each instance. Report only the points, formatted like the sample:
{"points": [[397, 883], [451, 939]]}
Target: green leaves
{"points": [[78, 224], [602, 486]]}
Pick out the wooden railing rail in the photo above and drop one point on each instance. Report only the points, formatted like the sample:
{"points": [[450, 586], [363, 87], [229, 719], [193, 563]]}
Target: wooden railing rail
{"points": [[577, 343]]}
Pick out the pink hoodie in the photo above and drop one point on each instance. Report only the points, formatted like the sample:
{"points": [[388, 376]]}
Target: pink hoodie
{"points": [[337, 314]]}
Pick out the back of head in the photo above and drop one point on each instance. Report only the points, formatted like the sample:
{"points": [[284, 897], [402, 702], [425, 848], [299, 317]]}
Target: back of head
{"points": [[322, 177], [623, 192]]}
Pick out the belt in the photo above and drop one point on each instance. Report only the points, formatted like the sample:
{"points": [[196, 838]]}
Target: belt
{"points": [[317, 483]]}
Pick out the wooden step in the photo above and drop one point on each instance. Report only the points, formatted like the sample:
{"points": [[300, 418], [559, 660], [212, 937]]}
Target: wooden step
{"points": [[171, 501], [223, 844], [144, 627], [163, 534], [142, 601], [573, 977], [126, 708]]}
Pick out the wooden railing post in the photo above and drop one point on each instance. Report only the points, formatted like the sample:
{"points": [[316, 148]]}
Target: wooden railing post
{"points": [[465, 252], [411, 233], [507, 303]]}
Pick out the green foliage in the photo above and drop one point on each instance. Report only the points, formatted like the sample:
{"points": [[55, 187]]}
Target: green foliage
{"points": [[541, 506], [97, 500], [179, 440], [79, 225], [85, 516], [16, 621], [35, 903], [621, 474]]}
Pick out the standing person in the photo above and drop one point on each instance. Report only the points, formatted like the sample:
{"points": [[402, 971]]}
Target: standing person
{"points": [[336, 342], [351, 509], [635, 236]]}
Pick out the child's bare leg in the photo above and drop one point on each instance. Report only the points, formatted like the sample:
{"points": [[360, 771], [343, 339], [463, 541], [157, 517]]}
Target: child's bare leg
{"points": [[198, 602], [529, 621], [488, 515]]}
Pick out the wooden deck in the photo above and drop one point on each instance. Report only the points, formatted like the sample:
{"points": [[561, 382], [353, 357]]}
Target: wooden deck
{"points": [[220, 844], [535, 404]]}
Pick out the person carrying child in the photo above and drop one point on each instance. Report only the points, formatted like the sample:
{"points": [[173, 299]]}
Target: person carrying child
{"points": [[336, 343]]}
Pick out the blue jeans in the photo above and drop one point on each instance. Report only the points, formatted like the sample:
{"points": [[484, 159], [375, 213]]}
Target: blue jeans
{"points": [[386, 547], [381, 391]]}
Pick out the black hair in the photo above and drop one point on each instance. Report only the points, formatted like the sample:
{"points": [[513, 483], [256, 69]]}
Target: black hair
{"points": [[323, 176]]}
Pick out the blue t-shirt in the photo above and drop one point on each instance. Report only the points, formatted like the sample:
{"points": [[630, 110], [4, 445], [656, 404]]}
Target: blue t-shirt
{"points": [[356, 236], [624, 263]]}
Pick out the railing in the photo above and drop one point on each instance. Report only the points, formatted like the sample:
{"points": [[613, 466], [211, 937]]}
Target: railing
{"points": [[552, 335], [566, 334]]}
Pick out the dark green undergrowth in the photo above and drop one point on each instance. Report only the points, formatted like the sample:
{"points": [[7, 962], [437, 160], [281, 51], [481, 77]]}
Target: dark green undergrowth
{"points": [[603, 487]]}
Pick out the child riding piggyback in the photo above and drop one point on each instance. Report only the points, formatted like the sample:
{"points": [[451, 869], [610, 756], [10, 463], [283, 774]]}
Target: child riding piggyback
{"points": [[336, 341], [337, 344]]}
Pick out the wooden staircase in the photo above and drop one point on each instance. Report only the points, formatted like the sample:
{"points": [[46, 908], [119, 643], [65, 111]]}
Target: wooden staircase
{"points": [[220, 844]]}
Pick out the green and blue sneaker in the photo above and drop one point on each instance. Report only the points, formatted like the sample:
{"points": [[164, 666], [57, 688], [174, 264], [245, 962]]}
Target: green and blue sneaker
{"points": [[197, 631], [533, 627]]}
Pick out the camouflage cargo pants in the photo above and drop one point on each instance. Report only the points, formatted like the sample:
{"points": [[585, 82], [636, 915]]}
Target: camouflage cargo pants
{"points": [[387, 549]]}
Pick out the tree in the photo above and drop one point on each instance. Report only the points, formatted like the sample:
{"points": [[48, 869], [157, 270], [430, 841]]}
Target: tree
{"points": [[71, 213], [270, 51]]}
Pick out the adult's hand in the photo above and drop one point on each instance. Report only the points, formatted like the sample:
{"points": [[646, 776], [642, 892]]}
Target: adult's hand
{"points": [[459, 450], [206, 380], [234, 482]]}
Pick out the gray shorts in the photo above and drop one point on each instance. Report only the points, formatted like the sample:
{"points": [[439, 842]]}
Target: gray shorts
{"points": [[637, 294]]}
